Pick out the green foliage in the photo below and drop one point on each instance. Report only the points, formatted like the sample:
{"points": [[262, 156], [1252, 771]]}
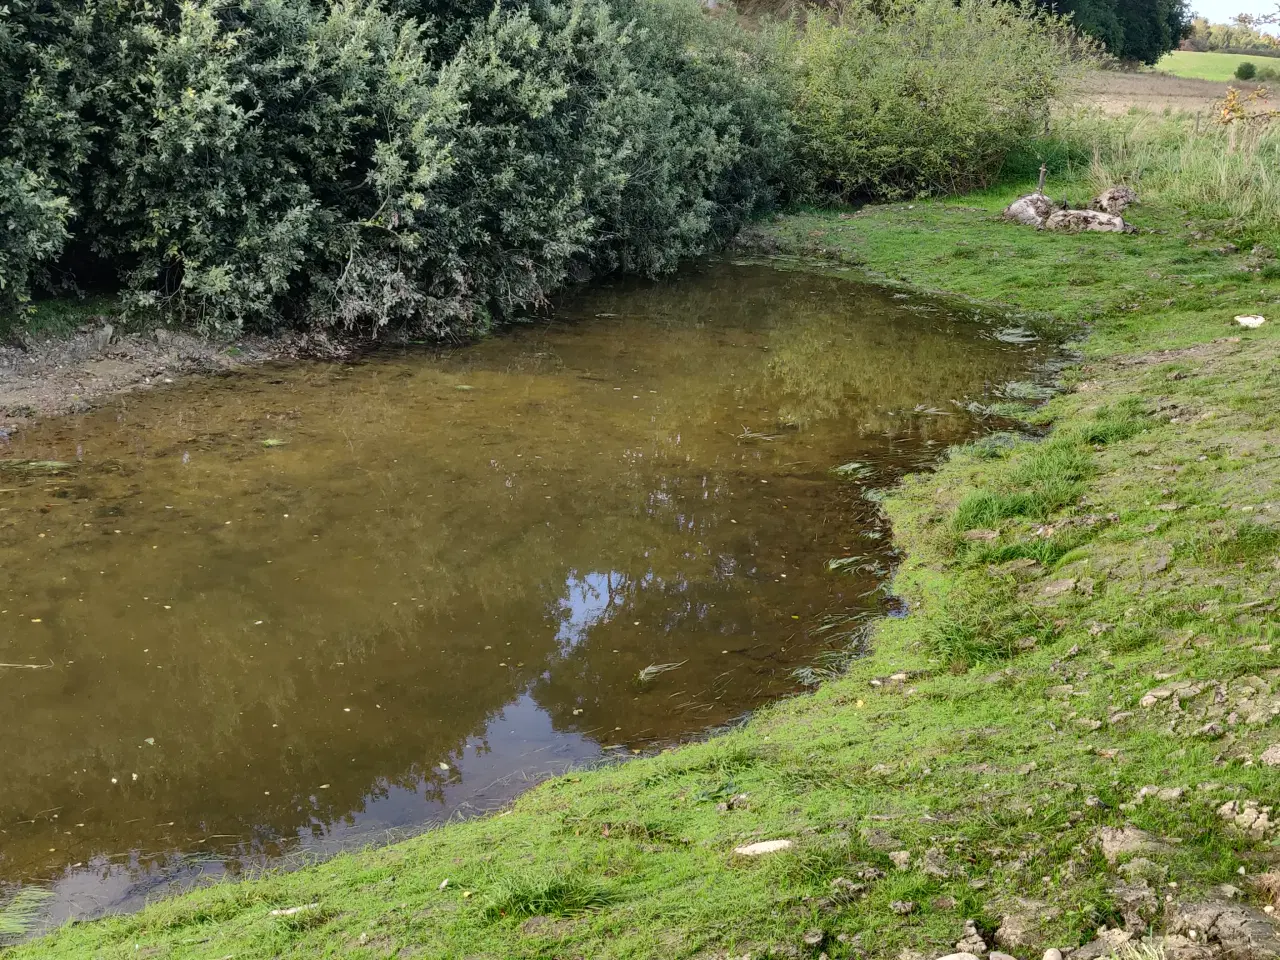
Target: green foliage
{"points": [[901, 99], [1136, 30], [529, 895], [275, 162], [1246, 71], [44, 137], [978, 621], [1045, 478]]}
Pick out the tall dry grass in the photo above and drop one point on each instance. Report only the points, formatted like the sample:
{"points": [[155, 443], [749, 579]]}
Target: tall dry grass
{"points": [[1225, 175]]}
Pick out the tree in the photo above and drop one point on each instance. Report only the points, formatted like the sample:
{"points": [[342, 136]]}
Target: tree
{"points": [[1138, 30]]}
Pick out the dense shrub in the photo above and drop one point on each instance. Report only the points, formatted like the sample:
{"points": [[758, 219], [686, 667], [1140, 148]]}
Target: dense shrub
{"points": [[1246, 70], [1140, 31], [44, 138], [280, 161], [433, 165], [908, 97]]}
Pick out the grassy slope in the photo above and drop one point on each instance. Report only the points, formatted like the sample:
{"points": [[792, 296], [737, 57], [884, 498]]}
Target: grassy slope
{"points": [[1208, 65], [984, 757]]}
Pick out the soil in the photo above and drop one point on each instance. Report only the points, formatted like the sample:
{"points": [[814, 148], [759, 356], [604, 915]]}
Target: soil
{"points": [[1116, 92], [40, 378]]}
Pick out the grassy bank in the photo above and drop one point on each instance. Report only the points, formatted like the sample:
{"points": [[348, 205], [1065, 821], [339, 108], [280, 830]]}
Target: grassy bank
{"points": [[1090, 615]]}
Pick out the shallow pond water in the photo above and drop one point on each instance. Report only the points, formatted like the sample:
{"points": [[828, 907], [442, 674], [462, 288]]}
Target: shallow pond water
{"points": [[295, 609]]}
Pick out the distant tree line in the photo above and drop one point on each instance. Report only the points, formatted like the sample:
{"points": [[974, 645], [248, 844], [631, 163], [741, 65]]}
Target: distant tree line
{"points": [[1238, 37]]}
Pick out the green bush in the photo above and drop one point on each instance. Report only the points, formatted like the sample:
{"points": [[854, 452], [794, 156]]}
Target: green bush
{"points": [[343, 166], [911, 97], [44, 138], [436, 165], [1246, 70]]}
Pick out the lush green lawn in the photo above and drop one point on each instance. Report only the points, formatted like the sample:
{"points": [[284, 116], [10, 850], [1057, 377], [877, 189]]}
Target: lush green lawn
{"points": [[1210, 66], [1089, 615]]}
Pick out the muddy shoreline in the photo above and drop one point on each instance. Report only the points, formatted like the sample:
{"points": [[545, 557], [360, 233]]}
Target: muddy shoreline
{"points": [[61, 375]]}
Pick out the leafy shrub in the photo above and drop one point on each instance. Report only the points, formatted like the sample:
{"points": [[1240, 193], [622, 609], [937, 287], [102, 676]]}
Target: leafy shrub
{"points": [[902, 98], [1246, 70], [346, 166], [43, 139]]}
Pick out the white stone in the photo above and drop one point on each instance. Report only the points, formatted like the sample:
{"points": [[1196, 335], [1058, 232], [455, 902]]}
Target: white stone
{"points": [[1250, 320], [763, 847], [1031, 210]]}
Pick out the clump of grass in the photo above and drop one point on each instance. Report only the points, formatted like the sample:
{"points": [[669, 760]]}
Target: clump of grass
{"points": [[1046, 551], [994, 446], [1045, 479], [979, 621], [1116, 422], [1248, 541], [530, 895]]}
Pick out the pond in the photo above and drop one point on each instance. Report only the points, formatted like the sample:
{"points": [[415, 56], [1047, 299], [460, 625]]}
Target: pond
{"points": [[250, 619]]}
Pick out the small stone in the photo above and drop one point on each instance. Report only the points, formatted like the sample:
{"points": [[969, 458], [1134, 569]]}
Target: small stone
{"points": [[1056, 588], [981, 535], [901, 859], [814, 938], [902, 907], [1053, 953], [763, 847], [997, 955], [1118, 841], [1271, 756]]}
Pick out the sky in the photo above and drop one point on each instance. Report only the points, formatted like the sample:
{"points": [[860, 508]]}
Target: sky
{"points": [[1221, 11]]}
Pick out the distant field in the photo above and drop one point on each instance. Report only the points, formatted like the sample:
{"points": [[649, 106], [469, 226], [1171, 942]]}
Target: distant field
{"points": [[1210, 66], [1117, 92]]}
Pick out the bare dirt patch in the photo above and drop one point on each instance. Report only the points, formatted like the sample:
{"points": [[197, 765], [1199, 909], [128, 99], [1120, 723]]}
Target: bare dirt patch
{"points": [[68, 375], [1114, 92]]}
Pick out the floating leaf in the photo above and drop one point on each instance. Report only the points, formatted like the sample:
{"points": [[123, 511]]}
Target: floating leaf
{"points": [[273, 442]]}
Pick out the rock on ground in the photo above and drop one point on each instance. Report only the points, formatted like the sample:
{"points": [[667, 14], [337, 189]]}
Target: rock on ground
{"points": [[1239, 931], [1077, 221], [1107, 944], [763, 847], [1031, 210], [1114, 200], [1118, 841], [1020, 924]]}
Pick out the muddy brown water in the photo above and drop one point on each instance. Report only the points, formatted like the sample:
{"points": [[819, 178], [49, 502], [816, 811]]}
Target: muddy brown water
{"points": [[288, 611]]}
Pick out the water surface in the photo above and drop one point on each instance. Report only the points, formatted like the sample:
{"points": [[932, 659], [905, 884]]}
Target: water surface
{"points": [[289, 610]]}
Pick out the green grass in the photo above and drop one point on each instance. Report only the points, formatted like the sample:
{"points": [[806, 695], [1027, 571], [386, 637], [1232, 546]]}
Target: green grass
{"points": [[58, 317], [1131, 547], [1209, 66]]}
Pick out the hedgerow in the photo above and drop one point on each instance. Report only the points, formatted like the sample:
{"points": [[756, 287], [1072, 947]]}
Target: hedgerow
{"points": [[434, 167]]}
